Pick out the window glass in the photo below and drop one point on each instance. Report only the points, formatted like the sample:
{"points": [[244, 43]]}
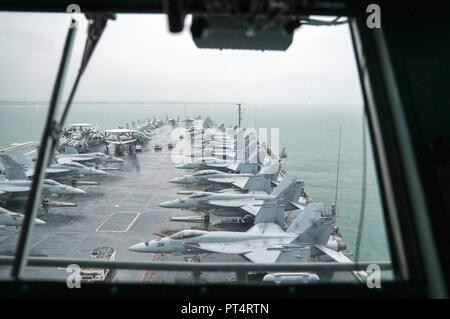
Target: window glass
{"points": [[143, 78]]}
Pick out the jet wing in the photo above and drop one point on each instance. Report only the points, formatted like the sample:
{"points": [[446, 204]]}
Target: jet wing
{"points": [[50, 170], [262, 228], [236, 181], [263, 256], [251, 207], [241, 182], [225, 203], [254, 250], [336, 255], [13, 189], [65, 159], [237, 248], [296, 204], [233, 166], [218, 165]]}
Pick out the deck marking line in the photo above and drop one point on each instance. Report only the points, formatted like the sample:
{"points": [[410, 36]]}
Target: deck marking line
{"points": [[118, 231]]}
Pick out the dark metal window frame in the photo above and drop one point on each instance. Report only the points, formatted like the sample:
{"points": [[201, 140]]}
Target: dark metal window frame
{"points": [[408, 224], [403, 203]]}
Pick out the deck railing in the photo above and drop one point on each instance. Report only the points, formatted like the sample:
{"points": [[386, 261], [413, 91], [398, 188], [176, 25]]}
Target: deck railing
{"points": [[240, 269]]}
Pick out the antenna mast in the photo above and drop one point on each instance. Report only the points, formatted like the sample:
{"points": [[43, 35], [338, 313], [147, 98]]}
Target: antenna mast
{"points": [[239, 115], [337, 171]]}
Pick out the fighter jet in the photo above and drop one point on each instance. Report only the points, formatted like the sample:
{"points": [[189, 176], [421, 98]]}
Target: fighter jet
{"points": [[72, 155], [225, 204], [55, 170], [16, 186], [208, 163], [255, 184], [18, 189], [207, 177], [8, 218], [265, 242], [243, 166]]}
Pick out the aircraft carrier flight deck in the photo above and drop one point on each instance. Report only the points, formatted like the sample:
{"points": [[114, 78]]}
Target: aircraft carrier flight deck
{"points": [[118, 212]]}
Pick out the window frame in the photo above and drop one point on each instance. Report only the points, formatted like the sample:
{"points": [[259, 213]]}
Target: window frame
{"points": [[394, 167]]}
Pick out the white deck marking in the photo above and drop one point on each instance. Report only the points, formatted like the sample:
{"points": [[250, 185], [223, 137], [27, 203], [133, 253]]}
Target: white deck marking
{"points": [[118, 231]]}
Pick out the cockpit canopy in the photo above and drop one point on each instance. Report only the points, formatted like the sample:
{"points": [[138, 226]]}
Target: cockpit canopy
{"points": [[75, 164], [51, 182], [187, 234], [206, 160], [198, 194], [206, 172]]}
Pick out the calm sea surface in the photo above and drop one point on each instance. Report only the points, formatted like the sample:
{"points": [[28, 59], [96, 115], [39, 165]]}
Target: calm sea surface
{"points": [[310, 135]]}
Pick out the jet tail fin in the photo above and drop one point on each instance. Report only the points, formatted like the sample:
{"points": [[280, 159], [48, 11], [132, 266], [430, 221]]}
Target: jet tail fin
{"points": [[271, 170], [312, 226], [258, 184], [247, 168], [261, 155], [13, 170], [22, 159], [70, 150], [283, 189], [9, 162], [270, 213], [53, 159], [293, 195]]}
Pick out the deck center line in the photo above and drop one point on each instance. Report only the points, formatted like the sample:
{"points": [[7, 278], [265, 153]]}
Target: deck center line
{"points": [[128, 224]]}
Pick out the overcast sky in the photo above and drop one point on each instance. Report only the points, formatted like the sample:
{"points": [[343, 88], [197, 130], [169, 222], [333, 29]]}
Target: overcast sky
{"points": [[138, 59]]}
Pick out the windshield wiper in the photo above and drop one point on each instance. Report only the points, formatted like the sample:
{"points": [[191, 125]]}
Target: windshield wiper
{"points": [[52, 130]]}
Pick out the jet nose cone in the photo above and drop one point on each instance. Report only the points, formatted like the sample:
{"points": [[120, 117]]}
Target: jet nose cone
{"points": [[167, 204], [181, 166], [38, 221], [78, 191], [176, 180], [118, 160], [139, 248], [100, 172]]}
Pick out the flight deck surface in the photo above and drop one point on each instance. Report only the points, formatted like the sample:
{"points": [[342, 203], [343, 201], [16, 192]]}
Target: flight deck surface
{"points": [[119, 212]]}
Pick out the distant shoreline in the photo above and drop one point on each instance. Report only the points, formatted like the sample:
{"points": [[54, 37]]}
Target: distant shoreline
{"points": [[188, 103]]}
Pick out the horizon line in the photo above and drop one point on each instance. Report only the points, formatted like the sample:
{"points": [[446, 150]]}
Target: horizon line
{"points": [[3, 102]]}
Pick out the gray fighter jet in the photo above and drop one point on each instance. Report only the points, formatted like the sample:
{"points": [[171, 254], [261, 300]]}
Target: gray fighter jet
{"points": [[55, 170], [72, 155], [226, 204], [265, 242], [17, 186], [208, 163], [207, 177], [8, 218], [255, 185], [241, 166], [18, 189]]}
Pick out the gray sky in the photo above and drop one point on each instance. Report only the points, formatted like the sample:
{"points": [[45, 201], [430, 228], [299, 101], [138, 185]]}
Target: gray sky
{"points": [[138, 59]]}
